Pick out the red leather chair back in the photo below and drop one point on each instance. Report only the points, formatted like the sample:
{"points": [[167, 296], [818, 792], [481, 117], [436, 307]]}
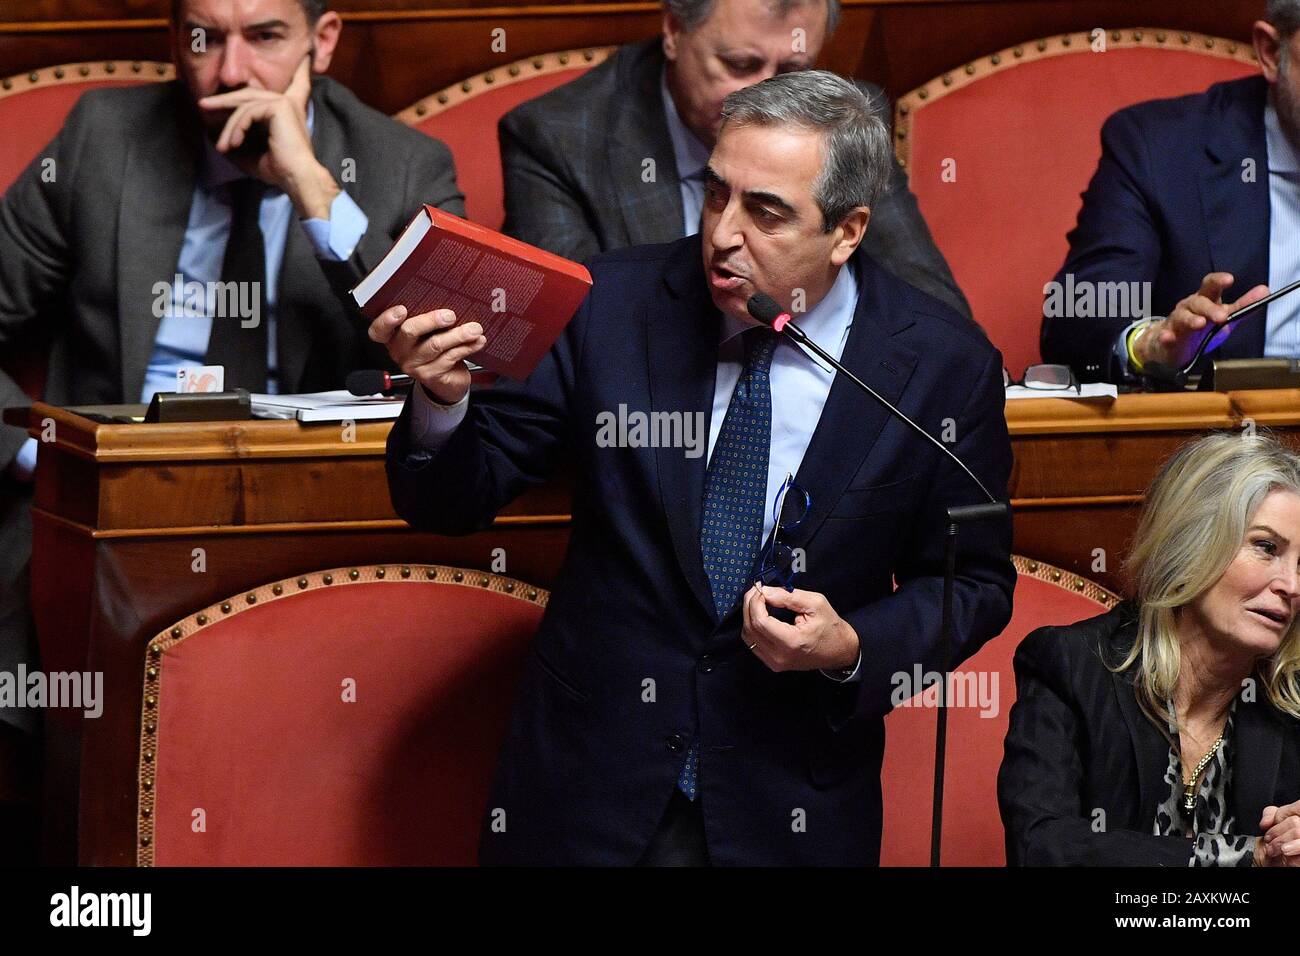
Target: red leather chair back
{"points": [[972, 825], [32, 109], [465, 116], [333, 721], [34, 105], [999, 151]]}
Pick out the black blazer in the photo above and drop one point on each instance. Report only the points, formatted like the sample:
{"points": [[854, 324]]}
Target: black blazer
{"points": [[1079, 743], [588, 765], [573, 162]]}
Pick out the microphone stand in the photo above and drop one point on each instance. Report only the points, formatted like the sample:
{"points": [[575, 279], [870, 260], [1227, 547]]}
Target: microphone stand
{"points": [[956, 517]]}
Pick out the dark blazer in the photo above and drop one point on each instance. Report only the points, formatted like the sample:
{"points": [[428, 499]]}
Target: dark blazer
{"points": [[1168, 204], [79, 257], [588, 767], [1079, 743], [572, 161]]}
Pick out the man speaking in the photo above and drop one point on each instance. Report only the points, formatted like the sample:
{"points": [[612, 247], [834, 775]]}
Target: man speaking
{"points": [[671, 712]]}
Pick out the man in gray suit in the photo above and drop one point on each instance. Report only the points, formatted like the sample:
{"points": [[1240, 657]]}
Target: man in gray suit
{"points": [[616, 157], [252, 171]]}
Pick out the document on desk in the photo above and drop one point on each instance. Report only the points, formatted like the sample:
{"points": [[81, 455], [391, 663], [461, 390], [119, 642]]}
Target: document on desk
{"points": [[1092, 391], [335, 406]]}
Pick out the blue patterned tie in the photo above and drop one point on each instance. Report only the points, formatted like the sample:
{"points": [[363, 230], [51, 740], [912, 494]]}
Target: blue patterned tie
{"points": [[735, 494]]}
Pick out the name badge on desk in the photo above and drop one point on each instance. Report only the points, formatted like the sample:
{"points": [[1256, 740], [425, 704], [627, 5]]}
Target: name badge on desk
{"points": [[201, 378]]}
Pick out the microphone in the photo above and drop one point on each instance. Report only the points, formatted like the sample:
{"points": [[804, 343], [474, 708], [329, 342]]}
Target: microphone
{"points": [[371, 381], [766, 310], [1165, 378]]}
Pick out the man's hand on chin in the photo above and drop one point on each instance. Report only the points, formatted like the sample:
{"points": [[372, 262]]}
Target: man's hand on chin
{"points": [[819, 639], [289, 162]]}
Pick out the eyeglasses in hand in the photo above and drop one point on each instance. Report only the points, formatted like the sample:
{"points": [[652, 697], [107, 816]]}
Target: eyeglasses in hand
{"points": [[788, 512]]}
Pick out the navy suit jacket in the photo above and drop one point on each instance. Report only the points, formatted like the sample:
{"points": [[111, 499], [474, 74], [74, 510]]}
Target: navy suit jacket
{"points": [[631, 661], [1173, 199]]}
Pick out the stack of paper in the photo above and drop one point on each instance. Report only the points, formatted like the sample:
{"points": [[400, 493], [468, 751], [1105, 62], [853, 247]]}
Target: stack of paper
{"points": [[1098, 391], [336, 406]]}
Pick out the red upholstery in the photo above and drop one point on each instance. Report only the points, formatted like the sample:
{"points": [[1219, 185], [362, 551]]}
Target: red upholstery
{"points": [[1025, 138], [468, 122], [972, 826], [31, 112], [253, 729]]}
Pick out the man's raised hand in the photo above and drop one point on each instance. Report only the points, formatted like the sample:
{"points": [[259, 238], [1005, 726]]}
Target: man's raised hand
{"points": [[289, 162], [430, 348], [1173, 341]]}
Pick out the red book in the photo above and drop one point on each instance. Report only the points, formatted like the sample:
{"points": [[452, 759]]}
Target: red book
{"points": [[521, 295]]}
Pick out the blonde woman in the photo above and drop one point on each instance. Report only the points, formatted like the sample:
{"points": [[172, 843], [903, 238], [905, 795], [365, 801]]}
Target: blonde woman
{"points": [[1167, 731]]}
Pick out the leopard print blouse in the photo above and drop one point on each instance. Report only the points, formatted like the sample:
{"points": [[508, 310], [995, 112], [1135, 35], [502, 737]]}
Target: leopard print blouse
{"points": [[1211, 823]]}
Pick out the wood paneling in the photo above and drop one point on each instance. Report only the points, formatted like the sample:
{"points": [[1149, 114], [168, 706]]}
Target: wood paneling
{"points": [[910, 43], [395, 51]]}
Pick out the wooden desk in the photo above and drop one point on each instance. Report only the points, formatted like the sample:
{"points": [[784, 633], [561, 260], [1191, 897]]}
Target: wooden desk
{"points": [[136, 526], [1081, 467]]}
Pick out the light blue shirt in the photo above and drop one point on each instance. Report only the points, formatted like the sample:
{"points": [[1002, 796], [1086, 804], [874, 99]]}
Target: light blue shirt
{"points": [[1282, 335], [182, 340], [691, 156], [1282, 325], [800, 385]]}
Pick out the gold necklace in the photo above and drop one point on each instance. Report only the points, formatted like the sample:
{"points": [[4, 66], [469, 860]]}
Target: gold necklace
{"points": [[1189, 789]]}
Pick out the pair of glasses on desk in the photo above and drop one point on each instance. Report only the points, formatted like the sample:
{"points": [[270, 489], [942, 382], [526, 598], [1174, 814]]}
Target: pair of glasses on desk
{"points": [[1047, 378]]}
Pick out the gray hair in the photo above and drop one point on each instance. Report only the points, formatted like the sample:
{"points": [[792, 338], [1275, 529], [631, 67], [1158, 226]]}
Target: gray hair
{"points": [[855, 138], [691, 13], [1193, 523], [1285, 15]]}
